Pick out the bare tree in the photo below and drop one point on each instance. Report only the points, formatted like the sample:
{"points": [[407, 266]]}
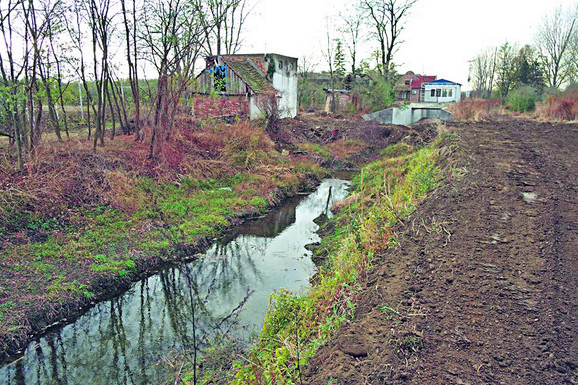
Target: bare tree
{"points": [[132, 61], [554, 41], [223, 23], [34, 35], [54, 29], [481, 72], [352, 33], [329, 52], [174, 36], [388, 17], [329, 56], [51, 13], [119, 106], [101, 22], [12, 96], [306, 66], [74, 26]]}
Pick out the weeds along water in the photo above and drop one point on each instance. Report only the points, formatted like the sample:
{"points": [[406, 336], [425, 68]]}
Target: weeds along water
{"points": [[383, 195], [190, 311], [80, 225]]}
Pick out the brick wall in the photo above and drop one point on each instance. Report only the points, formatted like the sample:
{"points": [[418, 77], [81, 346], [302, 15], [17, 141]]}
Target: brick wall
{"points": [[221, 106]]}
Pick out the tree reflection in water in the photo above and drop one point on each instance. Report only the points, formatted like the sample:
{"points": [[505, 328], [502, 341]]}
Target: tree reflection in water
{"points": [[182, 309]]}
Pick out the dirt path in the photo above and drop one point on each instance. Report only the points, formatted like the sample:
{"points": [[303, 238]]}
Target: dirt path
{"points": [[483, 288]]}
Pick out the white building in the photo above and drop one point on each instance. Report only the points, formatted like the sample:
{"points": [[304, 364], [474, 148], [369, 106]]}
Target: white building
{"points": [[442, 91], [284, 79]]}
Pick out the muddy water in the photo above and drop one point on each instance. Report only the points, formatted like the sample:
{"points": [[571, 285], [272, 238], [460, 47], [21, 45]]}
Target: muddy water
{"points": [[126, 340]]}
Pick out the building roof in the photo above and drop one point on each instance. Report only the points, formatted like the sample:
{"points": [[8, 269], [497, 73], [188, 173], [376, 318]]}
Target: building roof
{"points": [[421, 80], [415, 81], [252, 55], [249, 73], [442, 82]]}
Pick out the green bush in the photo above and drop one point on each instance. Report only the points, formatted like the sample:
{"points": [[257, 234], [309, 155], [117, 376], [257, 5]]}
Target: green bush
{"points": [[310, 95], [523, 99], [380, 95]]}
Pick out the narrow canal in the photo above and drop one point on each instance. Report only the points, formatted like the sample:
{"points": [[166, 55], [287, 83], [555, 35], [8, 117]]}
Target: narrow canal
{"points": [[126, 340]]}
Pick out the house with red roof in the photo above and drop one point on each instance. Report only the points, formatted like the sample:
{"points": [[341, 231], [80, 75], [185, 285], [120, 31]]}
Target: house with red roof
{"points": [[410, 87]]}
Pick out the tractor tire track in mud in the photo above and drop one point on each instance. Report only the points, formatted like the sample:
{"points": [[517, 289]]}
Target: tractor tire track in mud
{"points": [[483, 286]]}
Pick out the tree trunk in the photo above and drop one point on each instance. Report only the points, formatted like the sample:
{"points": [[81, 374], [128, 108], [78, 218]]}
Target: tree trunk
{"points": [[52, 110], [112, 114]]}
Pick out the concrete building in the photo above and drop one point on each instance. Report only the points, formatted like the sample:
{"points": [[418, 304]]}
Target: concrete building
{"points": [[410, 114], [246, 86], [442, 91]]}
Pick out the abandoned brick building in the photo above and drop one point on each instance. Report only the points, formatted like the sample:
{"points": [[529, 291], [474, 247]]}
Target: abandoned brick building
{"points": [[246, 86]]}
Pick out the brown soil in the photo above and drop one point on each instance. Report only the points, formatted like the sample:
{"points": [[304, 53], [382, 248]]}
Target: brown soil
{"points": [[482, 288], [322, 128], [339, 132]]}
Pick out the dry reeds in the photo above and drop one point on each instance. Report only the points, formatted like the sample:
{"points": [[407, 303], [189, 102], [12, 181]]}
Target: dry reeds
{"points": [[562, 107], [473, 109]]}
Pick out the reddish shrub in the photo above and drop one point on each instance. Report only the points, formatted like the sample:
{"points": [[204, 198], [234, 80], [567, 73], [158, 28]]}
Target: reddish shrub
{"points": [[564, 107]]}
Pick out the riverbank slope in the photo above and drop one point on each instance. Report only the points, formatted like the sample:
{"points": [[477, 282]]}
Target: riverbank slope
{"points": [[481, 287]]}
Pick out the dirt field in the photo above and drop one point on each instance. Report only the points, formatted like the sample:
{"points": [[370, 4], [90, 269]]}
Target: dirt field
{"points": [[483, 286]]}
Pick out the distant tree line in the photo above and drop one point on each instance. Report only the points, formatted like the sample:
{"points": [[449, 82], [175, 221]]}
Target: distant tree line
{"points": [[547, 65], [370, 80]]}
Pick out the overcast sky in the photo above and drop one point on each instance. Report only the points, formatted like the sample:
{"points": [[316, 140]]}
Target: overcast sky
{"points": [[439, 39]]}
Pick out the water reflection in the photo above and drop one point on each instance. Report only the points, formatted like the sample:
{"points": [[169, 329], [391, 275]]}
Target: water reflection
{"points": [[226, 292]]}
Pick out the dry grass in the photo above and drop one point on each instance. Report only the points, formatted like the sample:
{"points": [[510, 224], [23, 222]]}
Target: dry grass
{"points": [[473, 109], [75, 217], [61, 176], [560, 108]]}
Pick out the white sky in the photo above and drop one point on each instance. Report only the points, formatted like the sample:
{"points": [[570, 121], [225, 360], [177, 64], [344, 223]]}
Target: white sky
{"points": [[440, 35]]}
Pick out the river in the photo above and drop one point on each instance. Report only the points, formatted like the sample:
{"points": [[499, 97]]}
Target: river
{"points": [[130, 339]]}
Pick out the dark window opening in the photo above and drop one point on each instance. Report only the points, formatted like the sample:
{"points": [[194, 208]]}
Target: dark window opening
{"points": [[433, 93]]}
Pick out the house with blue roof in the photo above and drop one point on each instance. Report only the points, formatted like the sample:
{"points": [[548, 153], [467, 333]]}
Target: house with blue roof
{"points": [[442, 91]]}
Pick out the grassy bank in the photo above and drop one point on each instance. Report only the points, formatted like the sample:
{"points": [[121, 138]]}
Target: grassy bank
{"points": [[385, 193], [79, 226]]}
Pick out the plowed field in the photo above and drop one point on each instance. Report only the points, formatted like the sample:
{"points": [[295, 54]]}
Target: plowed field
{"points": [[483, 287]]}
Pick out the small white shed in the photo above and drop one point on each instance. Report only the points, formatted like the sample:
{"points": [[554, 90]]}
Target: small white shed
{"points": [[442, 91]]}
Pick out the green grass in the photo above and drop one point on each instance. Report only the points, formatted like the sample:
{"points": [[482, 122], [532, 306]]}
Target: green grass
{"points": [[315, 149], [386, 192], [101, 241]]}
